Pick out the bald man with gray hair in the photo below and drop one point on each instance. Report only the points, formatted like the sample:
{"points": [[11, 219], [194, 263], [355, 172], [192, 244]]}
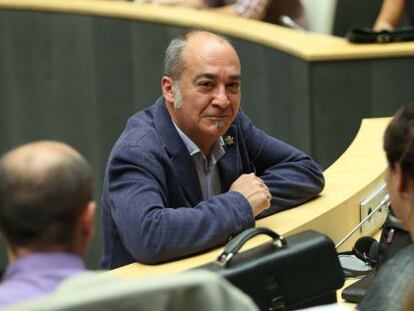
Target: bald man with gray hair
{"points": [[46, 217]]}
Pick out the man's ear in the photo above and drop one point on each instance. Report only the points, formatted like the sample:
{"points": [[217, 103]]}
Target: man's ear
{"points": [[87, 219], [400, 179], [84, 228], [168, 89]]}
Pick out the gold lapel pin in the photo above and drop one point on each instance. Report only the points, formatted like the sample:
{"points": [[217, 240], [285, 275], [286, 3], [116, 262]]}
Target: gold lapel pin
{"points": [[229, 140]]}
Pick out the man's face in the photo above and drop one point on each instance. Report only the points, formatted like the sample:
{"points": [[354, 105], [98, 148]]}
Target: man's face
{"points": [[210, 90]]}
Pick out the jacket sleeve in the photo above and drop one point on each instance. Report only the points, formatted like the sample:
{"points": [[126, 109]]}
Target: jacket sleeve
{"points": [[292, 176], [151, 228]]}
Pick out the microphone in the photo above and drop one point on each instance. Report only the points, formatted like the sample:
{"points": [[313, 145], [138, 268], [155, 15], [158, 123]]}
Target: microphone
{"points": [[384, 202], [288, 22]]}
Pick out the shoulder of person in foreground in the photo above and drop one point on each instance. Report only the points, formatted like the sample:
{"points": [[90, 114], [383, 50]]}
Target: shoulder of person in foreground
{"points": [[392, 283], [97, 291]]}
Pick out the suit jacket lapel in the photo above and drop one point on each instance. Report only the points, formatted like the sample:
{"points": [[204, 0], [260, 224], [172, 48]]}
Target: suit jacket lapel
{"points": [[183, 163], [188, 177], [229, 164]]}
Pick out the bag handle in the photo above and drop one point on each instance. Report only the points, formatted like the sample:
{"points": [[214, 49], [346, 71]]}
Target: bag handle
{"points": [[237, 243]]}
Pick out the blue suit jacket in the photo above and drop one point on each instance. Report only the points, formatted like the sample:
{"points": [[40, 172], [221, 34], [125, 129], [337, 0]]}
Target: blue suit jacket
{"points": [[153, 210]]}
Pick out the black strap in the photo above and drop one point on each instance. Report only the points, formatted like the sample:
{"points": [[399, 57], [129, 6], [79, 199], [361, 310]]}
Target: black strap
{"points": [[237, 242]]}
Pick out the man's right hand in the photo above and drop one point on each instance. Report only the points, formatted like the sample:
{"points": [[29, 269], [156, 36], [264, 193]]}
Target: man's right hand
{"points": [[254, 190]]}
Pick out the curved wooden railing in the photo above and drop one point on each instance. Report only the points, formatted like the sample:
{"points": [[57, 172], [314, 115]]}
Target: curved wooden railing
{"points": [[308, 46]]}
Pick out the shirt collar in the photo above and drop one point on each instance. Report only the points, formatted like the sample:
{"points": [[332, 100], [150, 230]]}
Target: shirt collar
{"points": [[217, 150], [44, 261]]}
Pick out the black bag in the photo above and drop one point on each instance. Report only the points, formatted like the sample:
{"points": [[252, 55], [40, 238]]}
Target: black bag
{"points": [[299, 271], [368, 35]]}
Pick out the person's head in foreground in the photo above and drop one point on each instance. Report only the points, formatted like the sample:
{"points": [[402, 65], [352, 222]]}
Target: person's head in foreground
{"points": [[46, 217], [399, 149]]}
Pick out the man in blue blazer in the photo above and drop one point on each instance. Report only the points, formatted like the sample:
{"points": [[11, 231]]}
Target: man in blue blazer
{"points": [[191, 171]]}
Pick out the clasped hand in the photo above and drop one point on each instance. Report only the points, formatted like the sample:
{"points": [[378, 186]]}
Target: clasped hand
{"points": [[254, 190]]}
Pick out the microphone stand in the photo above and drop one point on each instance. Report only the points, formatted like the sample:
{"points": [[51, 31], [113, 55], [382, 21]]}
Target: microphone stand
{"points": [[385, 201]]}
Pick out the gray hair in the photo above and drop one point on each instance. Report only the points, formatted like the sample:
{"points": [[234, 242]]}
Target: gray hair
{"points": [[178, 99], [173, 60]]}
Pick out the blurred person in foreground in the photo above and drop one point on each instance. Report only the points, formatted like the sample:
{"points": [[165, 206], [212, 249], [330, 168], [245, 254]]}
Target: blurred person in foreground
{"points": [[46, 217], [390, 288]]}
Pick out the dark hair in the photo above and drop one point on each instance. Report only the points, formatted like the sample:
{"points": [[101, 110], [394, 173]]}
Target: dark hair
{"points": [[399, 140], [38, 210]]}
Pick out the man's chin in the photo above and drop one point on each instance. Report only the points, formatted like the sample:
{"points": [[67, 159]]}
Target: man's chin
{"points": [[216, 132]]}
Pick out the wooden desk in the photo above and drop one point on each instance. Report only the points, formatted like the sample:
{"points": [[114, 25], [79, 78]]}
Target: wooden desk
{"points": [[350, 179]]}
